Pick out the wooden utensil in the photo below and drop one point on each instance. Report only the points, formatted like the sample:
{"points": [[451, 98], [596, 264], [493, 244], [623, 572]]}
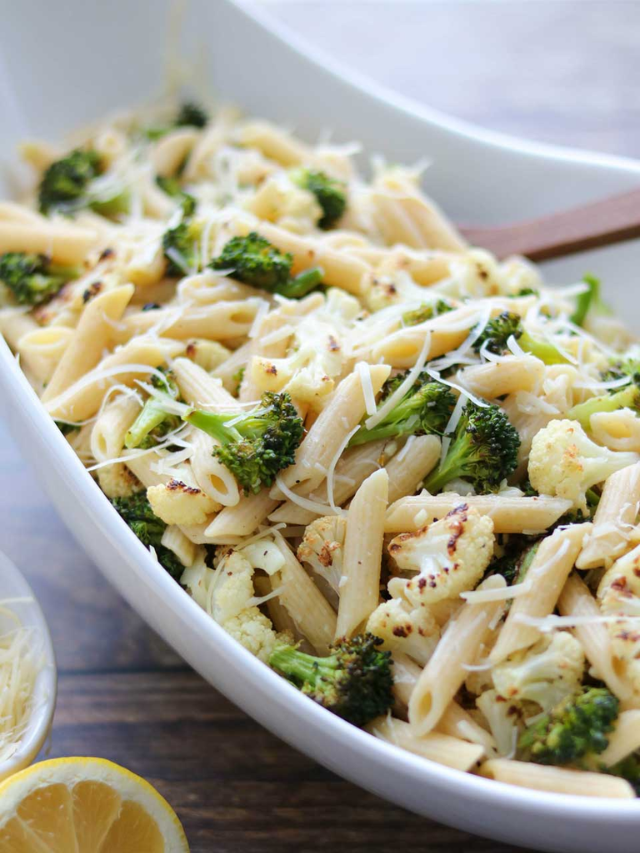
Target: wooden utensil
{"points": [[600, 223]]}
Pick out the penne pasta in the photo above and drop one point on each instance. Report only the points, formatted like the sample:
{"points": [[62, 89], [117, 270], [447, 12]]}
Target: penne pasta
{"points": [[360, 583], [556, 780], [445, 672], [509, 514], [545, 579]]}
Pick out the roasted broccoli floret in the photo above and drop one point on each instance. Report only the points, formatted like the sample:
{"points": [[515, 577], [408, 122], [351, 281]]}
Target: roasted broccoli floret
{"points": [[70, 184], [136, 511], [192, 115], [154, 422], [354, 681], [254, 445], [255, 261], [181, 248], [330, 194], [426, 312], [588, 301], [171, 186], [574, 730], [498, 331], [625, 398], [483, 450], [424, 409], [33, 279]]}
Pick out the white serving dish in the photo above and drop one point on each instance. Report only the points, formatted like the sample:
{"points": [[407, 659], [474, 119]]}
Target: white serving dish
{"points": [[93, 58], [15, 589]]}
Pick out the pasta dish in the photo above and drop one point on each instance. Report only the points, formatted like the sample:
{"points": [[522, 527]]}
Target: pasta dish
{"points": [[401, 472]]}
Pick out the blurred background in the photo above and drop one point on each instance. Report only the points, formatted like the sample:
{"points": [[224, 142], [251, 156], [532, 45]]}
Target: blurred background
{"points": [[562, 71]]}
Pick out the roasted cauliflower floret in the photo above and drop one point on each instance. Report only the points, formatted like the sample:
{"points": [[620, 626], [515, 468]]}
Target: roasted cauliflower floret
{"points": [[619, 594], [564, 462], [402, 628], [543, 674], [177, 503], [447, 557], [322, 548], [228, 595], [504, 719]]}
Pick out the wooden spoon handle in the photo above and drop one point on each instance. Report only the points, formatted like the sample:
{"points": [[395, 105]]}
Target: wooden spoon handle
{"points": [[600, 223]]}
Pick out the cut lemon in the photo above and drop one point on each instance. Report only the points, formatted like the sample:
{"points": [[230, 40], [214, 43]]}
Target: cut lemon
{"points": [[85, 805]]}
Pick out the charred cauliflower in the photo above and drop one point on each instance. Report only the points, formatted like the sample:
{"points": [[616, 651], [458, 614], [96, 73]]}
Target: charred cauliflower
{"points": [[446, 557], [565, 462], [321, 548]]}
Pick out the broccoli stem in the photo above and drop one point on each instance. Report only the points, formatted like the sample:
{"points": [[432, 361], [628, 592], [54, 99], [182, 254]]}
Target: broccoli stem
{"points": [[152, 416], [454, 464], [214, 425], [119, 204], [299, 286], [301, 667], [588, 300], [543, 350], [627, 398]]}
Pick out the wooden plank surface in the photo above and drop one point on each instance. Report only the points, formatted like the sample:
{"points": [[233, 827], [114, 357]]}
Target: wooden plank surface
{"points": [[561, 71]]}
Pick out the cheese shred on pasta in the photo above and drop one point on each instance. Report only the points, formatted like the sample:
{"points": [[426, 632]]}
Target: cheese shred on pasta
{"points": [[452, 462]]}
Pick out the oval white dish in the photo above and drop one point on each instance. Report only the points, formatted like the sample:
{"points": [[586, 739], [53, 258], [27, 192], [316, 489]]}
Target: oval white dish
{"points": [[284, 79], [19, 596]]}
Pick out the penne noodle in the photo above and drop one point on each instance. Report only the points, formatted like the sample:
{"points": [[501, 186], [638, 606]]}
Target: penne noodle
{"points": [[546, 577], [509, 514], [614, 519], [436, 746], [95, 332], [360, 583], [576, 600], [340, 416], [126, 365], [304, 602], [458, 647], [64, 243], [556, 780]]}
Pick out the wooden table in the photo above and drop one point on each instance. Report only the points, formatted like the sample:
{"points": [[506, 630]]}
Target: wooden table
{"points": [[542, 69]]}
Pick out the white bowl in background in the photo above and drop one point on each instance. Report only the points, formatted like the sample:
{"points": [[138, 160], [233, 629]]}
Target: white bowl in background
{"points": [[93, 58], [15, 590]]}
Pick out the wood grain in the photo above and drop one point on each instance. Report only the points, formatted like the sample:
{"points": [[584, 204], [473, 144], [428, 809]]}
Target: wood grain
{"points": [[124, 694], [601, 223]]}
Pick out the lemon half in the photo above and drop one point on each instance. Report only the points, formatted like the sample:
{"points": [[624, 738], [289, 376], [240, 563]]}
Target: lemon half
{"points": [[85, 805]]}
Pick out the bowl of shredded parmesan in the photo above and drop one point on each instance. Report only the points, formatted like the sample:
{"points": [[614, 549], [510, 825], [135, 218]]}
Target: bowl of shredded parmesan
{"points": [[27, 672]]}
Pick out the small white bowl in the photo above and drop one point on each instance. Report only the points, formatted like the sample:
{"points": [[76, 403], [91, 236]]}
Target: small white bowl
{"points": [[14, 586]]}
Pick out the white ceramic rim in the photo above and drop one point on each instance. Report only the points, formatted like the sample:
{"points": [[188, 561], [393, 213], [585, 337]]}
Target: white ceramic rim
{"points": [[466, 129], [281, 694], [44, 695]]}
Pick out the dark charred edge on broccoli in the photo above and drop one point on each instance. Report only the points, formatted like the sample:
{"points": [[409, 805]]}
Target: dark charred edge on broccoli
{"points": [[258, 444], [33, 279], [483, 450], [355, 681], [330, 194], [137, 513], [497, 332], [425, 409], [574, 730]]}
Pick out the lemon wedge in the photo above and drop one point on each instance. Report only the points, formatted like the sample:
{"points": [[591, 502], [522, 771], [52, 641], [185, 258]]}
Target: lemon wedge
{"points": [[85, 805]]}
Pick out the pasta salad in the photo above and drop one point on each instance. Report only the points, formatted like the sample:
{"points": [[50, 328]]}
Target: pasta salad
{"points": [[401, 472]]}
